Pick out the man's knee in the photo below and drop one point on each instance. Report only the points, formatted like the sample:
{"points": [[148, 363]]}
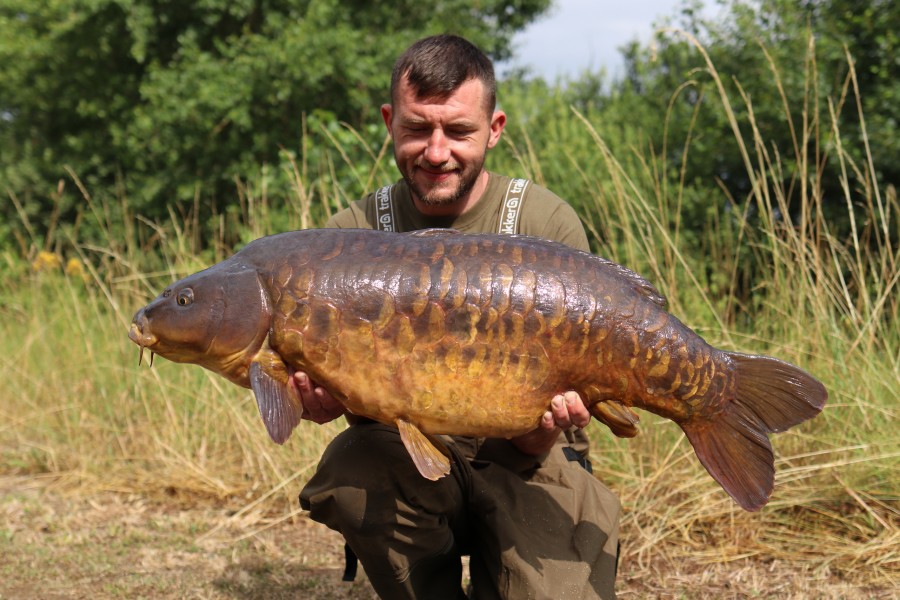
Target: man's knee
{"points": [[354, 471], [362, 451], [366, 479]]}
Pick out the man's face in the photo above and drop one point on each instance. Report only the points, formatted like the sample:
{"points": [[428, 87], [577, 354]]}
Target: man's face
{"points": [[440, 143]]}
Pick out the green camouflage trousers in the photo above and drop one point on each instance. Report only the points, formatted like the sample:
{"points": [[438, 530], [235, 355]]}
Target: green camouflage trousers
{"points": [[533, 527]]}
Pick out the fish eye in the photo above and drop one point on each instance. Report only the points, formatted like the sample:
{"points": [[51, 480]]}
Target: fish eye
{"points": [[185, 297]]}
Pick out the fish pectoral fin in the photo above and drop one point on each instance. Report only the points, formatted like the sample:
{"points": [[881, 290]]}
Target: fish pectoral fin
{"points": [[619, 418], [429, 454], [278, 404]]}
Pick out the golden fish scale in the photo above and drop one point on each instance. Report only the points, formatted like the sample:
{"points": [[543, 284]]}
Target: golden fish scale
{"points": [[475, 336]]}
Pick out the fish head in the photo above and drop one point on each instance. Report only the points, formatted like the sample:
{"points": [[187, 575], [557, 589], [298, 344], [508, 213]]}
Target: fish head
{"points": [[217, 318]]}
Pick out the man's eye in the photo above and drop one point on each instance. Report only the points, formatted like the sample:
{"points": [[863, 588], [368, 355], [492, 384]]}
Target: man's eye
{"points": [[185, 297]]}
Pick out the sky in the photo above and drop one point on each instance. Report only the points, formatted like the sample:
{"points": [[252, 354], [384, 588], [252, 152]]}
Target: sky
{"points": [[585, 34]]}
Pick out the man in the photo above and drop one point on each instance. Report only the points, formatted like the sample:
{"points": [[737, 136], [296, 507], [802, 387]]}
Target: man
{"points": [[534, 521]]}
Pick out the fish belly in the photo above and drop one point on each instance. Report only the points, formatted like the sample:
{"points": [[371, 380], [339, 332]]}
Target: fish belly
{"points": [[446, 379]]}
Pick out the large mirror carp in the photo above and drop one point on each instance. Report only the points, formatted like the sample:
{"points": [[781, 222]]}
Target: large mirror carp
{"points": [[438, 332]]}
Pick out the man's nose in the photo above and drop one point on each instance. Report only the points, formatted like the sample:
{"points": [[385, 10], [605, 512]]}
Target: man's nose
{"points": [[437, 152]]}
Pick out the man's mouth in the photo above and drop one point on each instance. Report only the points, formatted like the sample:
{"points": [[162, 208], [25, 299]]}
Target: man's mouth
{"points": [[437, 176]]}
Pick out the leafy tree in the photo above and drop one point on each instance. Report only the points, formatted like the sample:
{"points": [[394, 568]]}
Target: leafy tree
{"points": [[173, 100], [761, 55], [870, 30]]}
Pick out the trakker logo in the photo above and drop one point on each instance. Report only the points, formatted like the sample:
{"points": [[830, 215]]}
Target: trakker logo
{"points": [[509, 218], [384, 209]]}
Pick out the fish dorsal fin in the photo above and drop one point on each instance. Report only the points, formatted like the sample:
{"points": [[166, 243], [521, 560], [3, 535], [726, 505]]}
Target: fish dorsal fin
{"points": [[434, 232], [636, 282], [279, 407], [432, 462]]}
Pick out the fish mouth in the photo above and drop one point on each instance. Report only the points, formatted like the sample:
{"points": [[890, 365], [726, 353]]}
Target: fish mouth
{"points": [[143, 339]]}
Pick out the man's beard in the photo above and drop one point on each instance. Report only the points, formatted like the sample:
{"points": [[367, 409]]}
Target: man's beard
{"points": [[433, 197]]}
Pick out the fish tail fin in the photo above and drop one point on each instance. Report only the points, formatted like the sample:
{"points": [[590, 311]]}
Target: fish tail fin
{"points": [[771, 396]]}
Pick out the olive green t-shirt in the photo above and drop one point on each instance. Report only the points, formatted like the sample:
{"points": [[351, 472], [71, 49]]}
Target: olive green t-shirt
{"points": [[541, 213]]}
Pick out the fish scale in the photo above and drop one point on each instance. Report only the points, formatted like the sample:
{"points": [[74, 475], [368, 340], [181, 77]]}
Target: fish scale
{"points": [[438, 332]]}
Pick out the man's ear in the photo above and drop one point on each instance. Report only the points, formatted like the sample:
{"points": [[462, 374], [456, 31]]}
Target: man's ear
{"points": [[387, 113], [498, 122]]}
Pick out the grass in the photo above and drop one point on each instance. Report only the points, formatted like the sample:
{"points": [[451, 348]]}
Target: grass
{"points": [[84, 424], [120, 545]]}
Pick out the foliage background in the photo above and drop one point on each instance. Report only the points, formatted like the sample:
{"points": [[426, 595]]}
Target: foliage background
{"points": [[175, 101], [178, 106]]}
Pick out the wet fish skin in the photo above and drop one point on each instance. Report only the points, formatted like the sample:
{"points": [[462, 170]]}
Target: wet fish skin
{"points": [[440, 332]]}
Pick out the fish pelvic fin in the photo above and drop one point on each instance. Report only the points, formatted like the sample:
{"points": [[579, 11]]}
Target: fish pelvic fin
{"points": [[771, 396], [429, 454], [620, 419], [279, 406]]}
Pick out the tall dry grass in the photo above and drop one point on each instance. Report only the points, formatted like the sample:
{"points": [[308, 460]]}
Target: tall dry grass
{"points": [[76, 408], [829, 304]]}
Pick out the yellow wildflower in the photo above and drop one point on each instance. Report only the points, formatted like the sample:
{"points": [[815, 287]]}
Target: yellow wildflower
{"points": [[46, 261], [75, 268]]}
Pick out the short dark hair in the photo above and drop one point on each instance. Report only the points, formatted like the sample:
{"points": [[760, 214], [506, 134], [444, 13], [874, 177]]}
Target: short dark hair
{"points": [[436, 66]]}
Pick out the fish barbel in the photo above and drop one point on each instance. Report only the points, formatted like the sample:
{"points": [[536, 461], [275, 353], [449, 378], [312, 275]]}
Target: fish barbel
{"points": [[438, 332]]}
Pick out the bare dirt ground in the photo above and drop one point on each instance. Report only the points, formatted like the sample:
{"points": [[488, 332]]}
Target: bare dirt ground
{"points": [[125, 546]]}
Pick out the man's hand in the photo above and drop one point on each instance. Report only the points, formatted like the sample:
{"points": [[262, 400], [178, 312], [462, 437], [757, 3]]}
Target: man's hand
{"points": [[565, 411], [318, 405]]}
